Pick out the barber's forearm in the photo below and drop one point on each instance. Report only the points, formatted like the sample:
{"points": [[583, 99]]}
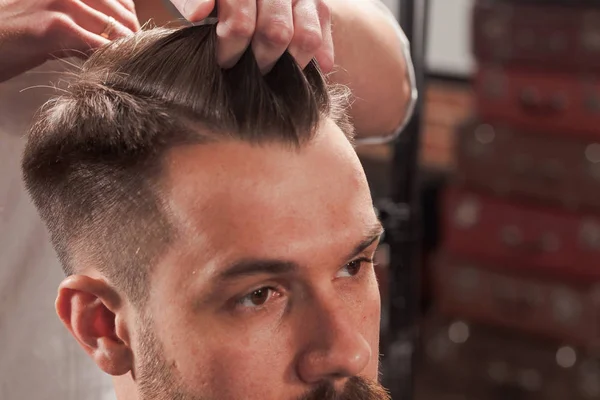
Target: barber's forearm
{"points": [[369, 53]]}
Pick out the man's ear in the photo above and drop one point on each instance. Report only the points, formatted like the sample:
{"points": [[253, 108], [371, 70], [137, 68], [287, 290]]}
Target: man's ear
{"points": [[90, 309]]}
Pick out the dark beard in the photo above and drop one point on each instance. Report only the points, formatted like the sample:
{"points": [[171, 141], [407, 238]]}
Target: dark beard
{"points": [[355, 389]]}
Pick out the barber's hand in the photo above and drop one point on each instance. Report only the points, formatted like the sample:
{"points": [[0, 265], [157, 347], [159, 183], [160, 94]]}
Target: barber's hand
{"points": [[34, 31], [271, 26]]}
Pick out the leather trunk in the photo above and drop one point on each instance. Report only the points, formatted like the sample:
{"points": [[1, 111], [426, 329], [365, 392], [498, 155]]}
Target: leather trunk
{"points": [[567, 312], [462, 357], [520, 236], [556, 169], [537, 100], [551, 34]]}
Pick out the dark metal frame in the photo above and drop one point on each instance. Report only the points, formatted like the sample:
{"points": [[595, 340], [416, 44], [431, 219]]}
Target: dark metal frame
{"points": [[401, 217]]}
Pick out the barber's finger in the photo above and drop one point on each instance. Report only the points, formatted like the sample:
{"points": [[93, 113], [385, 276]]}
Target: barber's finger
{"points": [[117, 10], [307, 32], [96, 22], [325, 55], [237, 22], [274, 32], [194, 10], [129, 5], [72, 39]]}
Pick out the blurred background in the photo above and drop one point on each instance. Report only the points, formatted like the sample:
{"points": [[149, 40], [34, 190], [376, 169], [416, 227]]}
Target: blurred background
{"points": [[508, 190]]}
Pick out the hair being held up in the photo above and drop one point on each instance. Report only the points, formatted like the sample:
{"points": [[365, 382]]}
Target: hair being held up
{"points": [[93, 159]]}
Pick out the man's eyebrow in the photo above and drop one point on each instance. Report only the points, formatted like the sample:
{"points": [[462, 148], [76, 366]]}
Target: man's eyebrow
{"points": [[371, 237], [248, 267]]}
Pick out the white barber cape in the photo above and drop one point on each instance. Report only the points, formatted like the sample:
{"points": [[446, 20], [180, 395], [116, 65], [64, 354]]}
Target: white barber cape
{"points": [[39, 360]]}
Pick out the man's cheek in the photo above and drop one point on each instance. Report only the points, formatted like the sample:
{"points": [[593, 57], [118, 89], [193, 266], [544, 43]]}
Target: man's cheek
{"points": [[372, 328], [374, 301], [256, 368]]}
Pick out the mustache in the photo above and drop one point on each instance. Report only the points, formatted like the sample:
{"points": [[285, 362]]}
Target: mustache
{"points": [[355, 389]]}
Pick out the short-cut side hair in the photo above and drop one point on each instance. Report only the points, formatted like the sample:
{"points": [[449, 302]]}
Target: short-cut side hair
{"points": [[94, 158]]}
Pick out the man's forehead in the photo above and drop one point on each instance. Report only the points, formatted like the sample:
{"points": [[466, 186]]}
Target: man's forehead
{"points": [[197, 175], [268, 196]]}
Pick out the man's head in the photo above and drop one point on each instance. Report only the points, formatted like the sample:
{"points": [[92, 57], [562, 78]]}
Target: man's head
{"points": [[216, 225]]}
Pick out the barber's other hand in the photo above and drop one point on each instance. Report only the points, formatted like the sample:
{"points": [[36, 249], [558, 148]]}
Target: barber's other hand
{"points": [[271, 26], [33, 31]]}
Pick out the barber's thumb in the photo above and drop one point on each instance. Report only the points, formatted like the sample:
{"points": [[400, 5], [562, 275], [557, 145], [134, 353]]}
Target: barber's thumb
{"points": [[194, 10]]}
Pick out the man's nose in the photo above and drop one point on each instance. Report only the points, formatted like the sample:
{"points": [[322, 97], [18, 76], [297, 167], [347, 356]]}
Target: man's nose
{"points": [[336, 348]]}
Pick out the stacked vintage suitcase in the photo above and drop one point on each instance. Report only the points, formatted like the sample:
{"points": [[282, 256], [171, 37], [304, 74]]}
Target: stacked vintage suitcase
{"points": [[518, 279]]}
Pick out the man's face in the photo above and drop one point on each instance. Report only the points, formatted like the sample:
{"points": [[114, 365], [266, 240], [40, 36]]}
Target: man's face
{"points": [[268, 291]]}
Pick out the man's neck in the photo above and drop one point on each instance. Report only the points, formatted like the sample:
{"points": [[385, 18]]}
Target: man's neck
{"points": [[125, 388]]}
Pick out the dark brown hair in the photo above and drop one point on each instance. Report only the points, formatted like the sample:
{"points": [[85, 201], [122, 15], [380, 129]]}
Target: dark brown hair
{"points": [[93, 158]]}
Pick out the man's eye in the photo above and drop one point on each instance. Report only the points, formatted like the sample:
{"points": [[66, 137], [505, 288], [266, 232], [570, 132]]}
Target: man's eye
{"points": [[257, 298], [353, 267]]}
